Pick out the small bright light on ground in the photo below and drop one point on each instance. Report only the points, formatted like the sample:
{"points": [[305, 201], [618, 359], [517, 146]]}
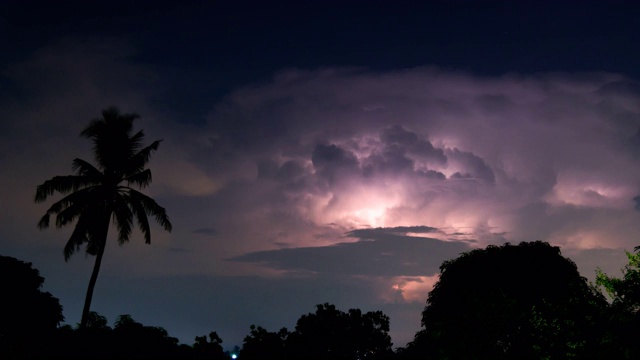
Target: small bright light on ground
{"points": [[234, 356]]}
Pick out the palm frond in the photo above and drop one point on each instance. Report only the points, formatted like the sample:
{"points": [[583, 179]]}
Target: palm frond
{"points": [[141, 217], [69, 214], [111, 138], [94, 128], [78, 237], [82, 196], [80, 199], [123, 218], [151, 207], [61, 184], [84, 168], [141, 158], [112, 121], [135, 142], [141, 179], [124, 121], [44, 221]]}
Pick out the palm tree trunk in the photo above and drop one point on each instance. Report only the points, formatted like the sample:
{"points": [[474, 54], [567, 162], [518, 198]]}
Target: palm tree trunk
{"points": [[94, 277]]}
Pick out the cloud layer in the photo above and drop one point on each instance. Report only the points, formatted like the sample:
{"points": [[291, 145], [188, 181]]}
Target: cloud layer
{"points": [[449, 150], [356, 180]]}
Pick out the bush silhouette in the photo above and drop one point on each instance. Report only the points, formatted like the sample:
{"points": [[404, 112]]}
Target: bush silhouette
{"points": [[510, 302], [29, 317], [333, 334]]}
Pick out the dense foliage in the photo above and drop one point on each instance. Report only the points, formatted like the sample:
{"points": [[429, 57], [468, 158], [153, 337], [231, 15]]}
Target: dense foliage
{"points": [[261, 342], [521, 301], [326, 334], [510, 302], [29, 317], [623, 316], [332, 334]]}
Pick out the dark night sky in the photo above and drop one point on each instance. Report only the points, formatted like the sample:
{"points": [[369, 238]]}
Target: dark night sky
{"points": [[324, 151], [217, 46]]}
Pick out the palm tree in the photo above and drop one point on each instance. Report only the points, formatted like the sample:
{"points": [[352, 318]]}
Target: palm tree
{"points": [[97, 195]]}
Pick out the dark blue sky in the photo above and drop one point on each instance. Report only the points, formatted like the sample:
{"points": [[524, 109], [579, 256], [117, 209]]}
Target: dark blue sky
{"points": [[260, 38], [210, 47]]}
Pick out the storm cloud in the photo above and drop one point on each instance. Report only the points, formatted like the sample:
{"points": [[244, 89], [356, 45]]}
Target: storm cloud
{"points": [[342, 176], [449, 150]]}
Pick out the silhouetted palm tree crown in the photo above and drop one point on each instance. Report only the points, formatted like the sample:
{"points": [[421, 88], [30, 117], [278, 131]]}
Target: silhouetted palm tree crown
{"points": [[97, 195]]}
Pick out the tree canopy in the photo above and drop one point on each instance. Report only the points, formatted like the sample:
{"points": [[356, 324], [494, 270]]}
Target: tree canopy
{"points": [[623, 320], [333, 334], [521, 301], [28, 316], [261, 343], [624, 291]]}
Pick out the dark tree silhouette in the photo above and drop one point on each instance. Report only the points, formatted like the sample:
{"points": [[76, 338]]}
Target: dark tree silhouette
{"points": [[28, 316], [333, 334], [132, 340], [128, 339], [209, 349], [97, 195], [261, 344], [96, 322], [623, 319], [625, 291], [510, 302]]}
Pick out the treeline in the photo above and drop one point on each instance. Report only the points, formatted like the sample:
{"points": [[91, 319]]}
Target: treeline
{"points": [[521, 301]]}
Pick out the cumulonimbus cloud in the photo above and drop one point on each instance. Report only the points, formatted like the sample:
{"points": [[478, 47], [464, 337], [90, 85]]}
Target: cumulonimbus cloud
{"points": [[449, 150], [349, 177]]}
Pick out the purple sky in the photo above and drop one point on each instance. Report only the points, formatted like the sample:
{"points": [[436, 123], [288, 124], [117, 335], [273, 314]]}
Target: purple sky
{"points": [[328, 183]]}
